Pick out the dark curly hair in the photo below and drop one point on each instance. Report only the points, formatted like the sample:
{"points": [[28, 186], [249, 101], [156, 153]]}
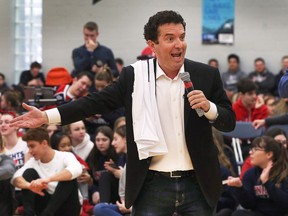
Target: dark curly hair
{"points": [[161, 18]]}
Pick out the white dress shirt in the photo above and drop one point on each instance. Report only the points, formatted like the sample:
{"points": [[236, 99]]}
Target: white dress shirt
{"points": [[170, 102]]}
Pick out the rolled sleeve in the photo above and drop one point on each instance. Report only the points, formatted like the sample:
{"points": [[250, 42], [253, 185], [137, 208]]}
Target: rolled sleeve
{"points": [[53, 116]]}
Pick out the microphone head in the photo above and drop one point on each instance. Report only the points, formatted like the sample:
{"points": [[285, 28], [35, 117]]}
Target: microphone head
{"points": [[185, 77]]}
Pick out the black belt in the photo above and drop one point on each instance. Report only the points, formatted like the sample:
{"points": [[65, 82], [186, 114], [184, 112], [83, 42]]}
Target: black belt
{"points": [[174, 174]]}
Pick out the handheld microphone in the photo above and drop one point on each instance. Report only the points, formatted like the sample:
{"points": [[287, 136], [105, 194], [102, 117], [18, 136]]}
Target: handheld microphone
{"points": [[185, 77]]}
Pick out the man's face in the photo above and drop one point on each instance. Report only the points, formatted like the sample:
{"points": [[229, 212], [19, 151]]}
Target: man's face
{"points": [[249, 99], [90, 35], [171, 47], [233, 64], [80, 86], [36, 149], [259, 66], [35, 71]]}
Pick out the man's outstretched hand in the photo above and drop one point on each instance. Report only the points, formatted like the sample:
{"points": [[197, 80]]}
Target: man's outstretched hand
{"points": [[32, 119]]}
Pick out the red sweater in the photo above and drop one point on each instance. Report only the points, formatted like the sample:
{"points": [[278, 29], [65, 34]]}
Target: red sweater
{"points": [[243, 114]]}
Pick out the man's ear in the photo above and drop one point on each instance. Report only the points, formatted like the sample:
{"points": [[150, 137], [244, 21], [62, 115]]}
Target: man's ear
{"points": [[151, 45], [44, 142]]}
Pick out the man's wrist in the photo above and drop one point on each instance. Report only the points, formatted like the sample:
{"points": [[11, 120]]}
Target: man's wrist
{"points": [[45, 117]]}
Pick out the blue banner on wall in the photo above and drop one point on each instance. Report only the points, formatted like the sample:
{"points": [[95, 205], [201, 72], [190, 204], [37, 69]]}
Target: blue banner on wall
{"points": [[218, 21]]}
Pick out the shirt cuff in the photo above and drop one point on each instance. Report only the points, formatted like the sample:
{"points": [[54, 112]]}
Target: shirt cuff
{"points": [[53, 116], [212, 113]]}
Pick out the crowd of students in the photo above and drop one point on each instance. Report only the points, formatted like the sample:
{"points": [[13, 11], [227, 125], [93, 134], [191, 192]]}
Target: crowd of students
{"points": [[79, 169], [94, 167]]}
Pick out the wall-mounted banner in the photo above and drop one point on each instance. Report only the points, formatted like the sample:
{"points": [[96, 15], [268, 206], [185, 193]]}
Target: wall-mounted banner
{"points": [[218, 21]]}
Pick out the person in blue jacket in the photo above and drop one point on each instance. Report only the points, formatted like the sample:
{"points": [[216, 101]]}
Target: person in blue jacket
{"points": [[283, 85], [263, 190]]}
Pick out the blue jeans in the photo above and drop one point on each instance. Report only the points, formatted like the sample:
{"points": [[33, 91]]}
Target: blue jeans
{"points": [[162, 196], [105, 209]]}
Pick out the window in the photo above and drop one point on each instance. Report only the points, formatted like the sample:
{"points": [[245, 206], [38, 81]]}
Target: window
{"points": [[27, 34]]}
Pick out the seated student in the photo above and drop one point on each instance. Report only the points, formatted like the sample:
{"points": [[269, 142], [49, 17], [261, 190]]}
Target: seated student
{"points": [[249, 106], [276, 133], [7, 169], [213, 62], [51, 128], [48, 180], [62, 142], [263, 191], [32, 77], [15, 147], [227, 202], [10, 101], [231, 77], [118, 209], [283, 85], [81, 143], [3, 85], [68, 92], [282, 107], [262, 77], [271, 102], [119, 122], [102, 79], [101, 152], [279, 75]]}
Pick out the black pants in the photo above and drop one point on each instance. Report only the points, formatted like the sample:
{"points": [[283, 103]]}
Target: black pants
{"points": [[108, 188], [64, 201], [7, 200]]}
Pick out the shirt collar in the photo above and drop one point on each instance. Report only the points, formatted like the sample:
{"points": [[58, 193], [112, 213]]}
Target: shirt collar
{"points": [[160, 72]]}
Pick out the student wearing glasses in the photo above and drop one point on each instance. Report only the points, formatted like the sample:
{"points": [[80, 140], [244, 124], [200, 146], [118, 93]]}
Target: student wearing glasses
{"points": [[263, 191], [278, 134]]}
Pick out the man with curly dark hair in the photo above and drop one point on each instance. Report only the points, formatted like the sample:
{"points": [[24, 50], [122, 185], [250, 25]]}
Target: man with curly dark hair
{"points": [[172, 163]]}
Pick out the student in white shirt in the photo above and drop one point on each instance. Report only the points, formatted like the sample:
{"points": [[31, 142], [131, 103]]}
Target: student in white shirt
{"points": [[48, 180]]}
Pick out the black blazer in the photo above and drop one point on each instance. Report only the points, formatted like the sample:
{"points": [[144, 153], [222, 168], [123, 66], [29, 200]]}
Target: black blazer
{"points": [[198, 131]]}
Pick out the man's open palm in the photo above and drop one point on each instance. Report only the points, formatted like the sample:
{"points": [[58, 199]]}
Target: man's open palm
{"points": [[32, 119]]}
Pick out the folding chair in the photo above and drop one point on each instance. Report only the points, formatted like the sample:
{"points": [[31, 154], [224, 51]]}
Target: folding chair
{"points": [[242, 131]]}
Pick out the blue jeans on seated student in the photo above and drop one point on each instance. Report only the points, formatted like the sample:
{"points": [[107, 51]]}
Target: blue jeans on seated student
{"points": [[105, 209], [162, 196], [64, 201]]}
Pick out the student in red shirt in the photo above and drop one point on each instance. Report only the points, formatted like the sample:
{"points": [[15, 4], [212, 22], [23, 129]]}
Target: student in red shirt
{"points": [[249, 105]]}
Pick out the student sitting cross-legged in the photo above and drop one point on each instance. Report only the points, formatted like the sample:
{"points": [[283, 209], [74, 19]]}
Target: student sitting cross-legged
{"points": [[48, 179]]}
